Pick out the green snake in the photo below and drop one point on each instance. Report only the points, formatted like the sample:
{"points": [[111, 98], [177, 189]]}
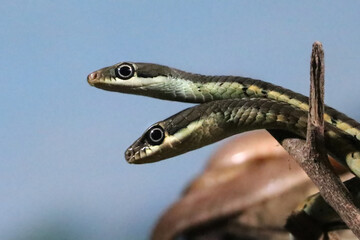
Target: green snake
{"points": [[207, 123], [167, 83], [231, 105]]}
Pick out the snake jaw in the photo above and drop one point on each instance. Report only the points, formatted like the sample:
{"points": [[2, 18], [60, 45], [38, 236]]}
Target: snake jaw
{"points": [[129, 155], [136, 151]]}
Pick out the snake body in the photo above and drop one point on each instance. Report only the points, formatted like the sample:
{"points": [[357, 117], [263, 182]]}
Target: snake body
{"points": [[230, 105], [223, 114], [167, 83], [207, 123]]}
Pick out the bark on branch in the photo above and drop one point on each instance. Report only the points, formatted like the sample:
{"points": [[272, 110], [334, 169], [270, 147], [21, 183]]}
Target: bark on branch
{"points": [[312, 155]]}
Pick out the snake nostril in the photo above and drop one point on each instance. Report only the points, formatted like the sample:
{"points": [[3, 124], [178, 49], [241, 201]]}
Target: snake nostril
{"points": [[92, 77]]}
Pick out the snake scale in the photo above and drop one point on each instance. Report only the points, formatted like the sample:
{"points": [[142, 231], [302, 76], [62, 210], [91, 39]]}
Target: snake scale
{"points": [[231, 105]]}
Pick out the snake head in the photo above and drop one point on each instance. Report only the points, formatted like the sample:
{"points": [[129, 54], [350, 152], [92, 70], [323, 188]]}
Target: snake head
{"points": [[147, 146], [164, 140], [129, 77], [185, 131]]}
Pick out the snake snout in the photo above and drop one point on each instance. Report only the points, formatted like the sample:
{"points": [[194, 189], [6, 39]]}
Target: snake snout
{"points": [[129, 155], [93, 77]]}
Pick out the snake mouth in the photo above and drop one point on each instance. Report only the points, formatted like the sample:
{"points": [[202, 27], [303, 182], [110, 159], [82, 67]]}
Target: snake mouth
{"points": [[130, 155], [135, 157], [139, 155], [136, 154]]}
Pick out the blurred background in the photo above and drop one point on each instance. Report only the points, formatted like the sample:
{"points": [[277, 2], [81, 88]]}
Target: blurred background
{"points": [[62, 168]]}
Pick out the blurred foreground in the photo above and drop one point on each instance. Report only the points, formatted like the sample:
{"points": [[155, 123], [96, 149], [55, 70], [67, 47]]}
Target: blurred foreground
{"points": [[248, 189]]}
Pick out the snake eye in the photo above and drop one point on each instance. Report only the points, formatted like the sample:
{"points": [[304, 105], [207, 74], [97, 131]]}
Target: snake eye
{"points": [[155, 135], [125, 71]]}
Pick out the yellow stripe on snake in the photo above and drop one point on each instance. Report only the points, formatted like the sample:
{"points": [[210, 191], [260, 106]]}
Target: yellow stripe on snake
{"points": [[232, 105]]}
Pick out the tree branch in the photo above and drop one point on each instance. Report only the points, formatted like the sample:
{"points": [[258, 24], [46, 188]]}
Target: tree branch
{"points": [[312, 156]]}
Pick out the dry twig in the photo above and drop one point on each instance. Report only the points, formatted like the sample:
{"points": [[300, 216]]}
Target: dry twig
{"points": [[312, 156]]}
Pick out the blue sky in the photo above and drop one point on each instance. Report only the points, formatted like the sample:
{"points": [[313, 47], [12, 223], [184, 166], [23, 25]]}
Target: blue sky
{"points": [[62, 141]]}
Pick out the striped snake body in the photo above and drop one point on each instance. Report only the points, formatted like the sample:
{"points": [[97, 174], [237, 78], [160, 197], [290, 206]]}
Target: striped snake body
{"points": [[231, 105]]}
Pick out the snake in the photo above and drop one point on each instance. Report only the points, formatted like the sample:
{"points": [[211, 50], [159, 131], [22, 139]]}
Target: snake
{"points": [[210, 122], [230, 105], [163, 82]]}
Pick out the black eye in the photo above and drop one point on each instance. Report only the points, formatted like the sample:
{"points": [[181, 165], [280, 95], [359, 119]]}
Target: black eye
{"points": [[155, 135], [125, 71]]}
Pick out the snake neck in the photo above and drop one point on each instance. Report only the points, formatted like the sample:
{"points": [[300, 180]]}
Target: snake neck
{"points": [[196, 88], [172, 84]]}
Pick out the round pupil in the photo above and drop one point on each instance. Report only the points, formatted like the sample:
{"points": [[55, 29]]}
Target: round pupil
{"points": [[156, 134], [125, 71]]}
